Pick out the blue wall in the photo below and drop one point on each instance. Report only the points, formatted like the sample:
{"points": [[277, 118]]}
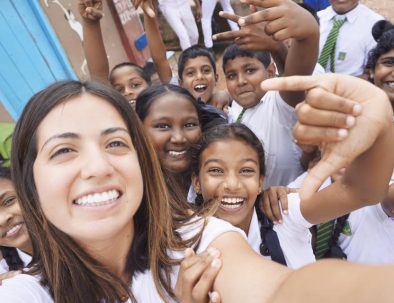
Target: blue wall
{"points": [[31, 56]]}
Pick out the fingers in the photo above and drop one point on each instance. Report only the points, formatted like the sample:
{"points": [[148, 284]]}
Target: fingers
{"points": [[229, 16], [205, 283], [265, 207], [148, 9], [274, 201], [9, 275], [306, 114], [319, 173], [315, 135], [230, 35], [265, 15]]}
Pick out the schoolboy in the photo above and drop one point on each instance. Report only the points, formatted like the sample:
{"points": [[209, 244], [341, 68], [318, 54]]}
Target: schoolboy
{"points": [[271, 115]]}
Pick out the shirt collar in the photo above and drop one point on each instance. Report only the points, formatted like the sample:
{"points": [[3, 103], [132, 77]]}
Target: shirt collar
{"points": [[350, 16]]}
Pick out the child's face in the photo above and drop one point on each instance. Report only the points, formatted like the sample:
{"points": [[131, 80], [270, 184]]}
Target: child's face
{"points": [[13, 231], [87, 172], [128, 82], [384, 74], [243, 78], [199, 78], [173, 126], [343, 6], [229, 170]]}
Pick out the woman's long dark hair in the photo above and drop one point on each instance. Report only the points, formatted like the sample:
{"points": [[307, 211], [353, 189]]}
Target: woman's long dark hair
{"points": [[71, 274]]}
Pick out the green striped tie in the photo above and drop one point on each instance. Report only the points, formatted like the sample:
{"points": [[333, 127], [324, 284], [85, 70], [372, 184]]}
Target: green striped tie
{"points": [[328, 50], [323, 236], [239, 119]]}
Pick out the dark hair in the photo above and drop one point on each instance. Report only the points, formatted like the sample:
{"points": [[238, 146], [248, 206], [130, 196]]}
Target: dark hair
{"points": [[383, 33], [10, 254], [222, 132], [233, 51], [142, 72], [70, 273], [194, 52], [151, 94]]}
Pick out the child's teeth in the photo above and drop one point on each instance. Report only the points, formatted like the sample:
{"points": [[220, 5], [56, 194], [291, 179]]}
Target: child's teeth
{"points": [[98, 198]]}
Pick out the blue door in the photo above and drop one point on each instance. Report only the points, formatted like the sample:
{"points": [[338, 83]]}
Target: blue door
{"points": [[31, 56]]}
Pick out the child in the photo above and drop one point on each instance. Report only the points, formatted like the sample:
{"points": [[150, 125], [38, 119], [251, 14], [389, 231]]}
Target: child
{"points": [[15, 245], [229, 165], [270, 115]]}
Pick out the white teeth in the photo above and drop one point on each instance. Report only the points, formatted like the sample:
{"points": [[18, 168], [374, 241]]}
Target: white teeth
{"points": [[13, 230], [174, 153], [390, 84], [200, 86], [232, 200], [98, 198]]}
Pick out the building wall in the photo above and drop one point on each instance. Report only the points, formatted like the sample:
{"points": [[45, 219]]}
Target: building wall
{"points": [[56, 10], [383, 7]]}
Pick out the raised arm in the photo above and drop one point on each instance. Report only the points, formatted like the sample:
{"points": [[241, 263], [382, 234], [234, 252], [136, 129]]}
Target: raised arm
{"points": [[93, 44], [157, 48], [364, 149], [285, 19]]}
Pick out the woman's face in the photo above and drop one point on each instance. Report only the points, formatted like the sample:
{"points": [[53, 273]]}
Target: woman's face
{"points": [[128, 82], [384, 74], [230, 171], [172, 124], [13, 231], [86, 172]]}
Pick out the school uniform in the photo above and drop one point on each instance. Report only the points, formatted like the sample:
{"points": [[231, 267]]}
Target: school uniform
{"points": [[26, 288], [179, 16], [26, 258], [354, 41], [294, 236], [272, 121]]}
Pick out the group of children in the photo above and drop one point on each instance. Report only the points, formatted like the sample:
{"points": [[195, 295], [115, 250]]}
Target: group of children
{"points": [[107, 195]]}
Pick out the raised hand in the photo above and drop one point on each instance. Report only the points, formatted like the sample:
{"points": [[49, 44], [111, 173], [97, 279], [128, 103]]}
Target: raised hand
{"points": [[196, 277], [275, 199], [284, 19], [148, 6], [326, 119], [91, 10]]}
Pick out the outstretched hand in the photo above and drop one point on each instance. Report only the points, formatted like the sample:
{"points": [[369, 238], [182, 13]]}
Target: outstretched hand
{"points": [[148, 6], [327, 118], [91, 10]]}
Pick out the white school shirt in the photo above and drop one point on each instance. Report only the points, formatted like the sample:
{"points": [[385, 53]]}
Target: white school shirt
{"points": [[25, 288], [368, 237], [26, 258], [354, 41], [294, 236], [272, 121]]}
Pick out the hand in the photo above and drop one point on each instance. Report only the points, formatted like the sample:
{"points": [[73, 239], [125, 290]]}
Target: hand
{"points": [[198, 13], [91, 10], [332, 101], [250, 37], [284, 19], [9, 275], [274, 196], [196, 277], [148, 6]]}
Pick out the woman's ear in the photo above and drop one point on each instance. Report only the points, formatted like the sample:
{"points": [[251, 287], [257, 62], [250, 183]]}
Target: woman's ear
{"points": [[196, 183]]}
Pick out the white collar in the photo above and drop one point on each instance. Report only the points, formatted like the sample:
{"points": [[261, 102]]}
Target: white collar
{"points": [[254, 236]]}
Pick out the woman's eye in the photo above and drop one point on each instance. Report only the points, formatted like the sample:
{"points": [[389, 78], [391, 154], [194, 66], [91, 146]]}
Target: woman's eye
{"points": [[119, 89], [9, 201], [388, 62], [116, 143], [60, 152]]}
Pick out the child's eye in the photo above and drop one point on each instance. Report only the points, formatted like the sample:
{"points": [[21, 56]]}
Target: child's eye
{"points": [[250, 70], [215, 171], [189, 73], [389, 62], [162, 126], [230, 76], [60, 152], [191, 124], [247, 171], [135, 85], [119, 89], [9, 201], [206, 70]]}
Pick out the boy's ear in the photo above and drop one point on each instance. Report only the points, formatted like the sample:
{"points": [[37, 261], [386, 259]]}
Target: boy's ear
{"points": [[196, 183], [271, 69]]}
